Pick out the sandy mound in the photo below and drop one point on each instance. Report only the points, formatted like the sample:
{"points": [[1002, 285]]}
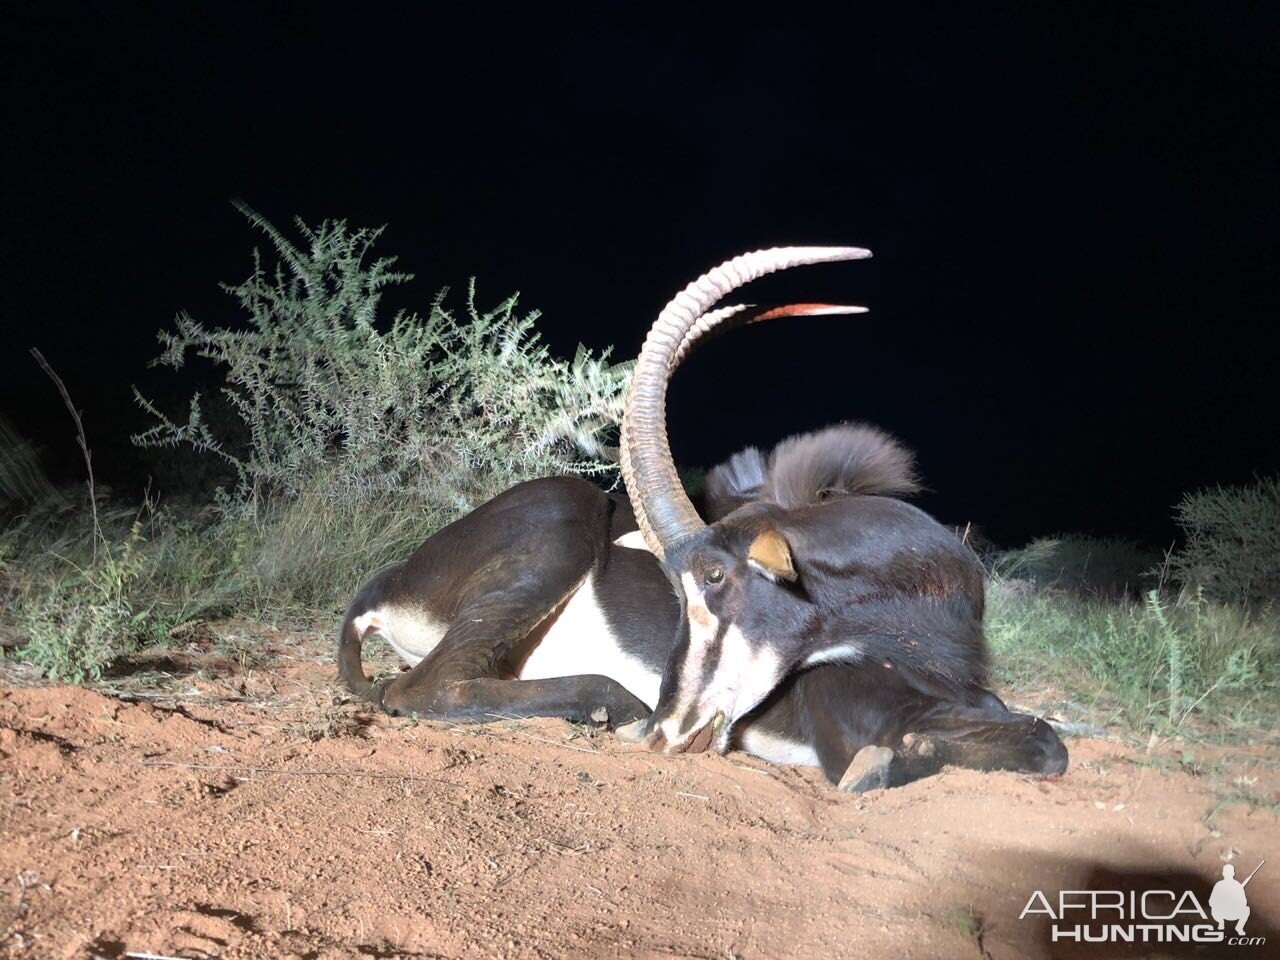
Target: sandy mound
{"points": [[261, 815]]}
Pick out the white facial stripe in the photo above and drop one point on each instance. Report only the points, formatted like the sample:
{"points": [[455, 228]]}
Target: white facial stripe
{"points": [[745, 673], [744, 676], [703, 626]]}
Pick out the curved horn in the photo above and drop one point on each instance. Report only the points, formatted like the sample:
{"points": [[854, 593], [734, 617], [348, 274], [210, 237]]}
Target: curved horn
{"points": [[721, 321], [665, 514], [744, 314]]}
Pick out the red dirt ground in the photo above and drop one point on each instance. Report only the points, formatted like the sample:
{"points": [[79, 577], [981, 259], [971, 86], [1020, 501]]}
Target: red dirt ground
{"points": [[254, 811]]}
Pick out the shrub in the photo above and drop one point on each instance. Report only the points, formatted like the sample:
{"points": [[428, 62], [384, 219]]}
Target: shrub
{"points": [[1232, 548], [443, 411], [1101, 565], [359, 440]]}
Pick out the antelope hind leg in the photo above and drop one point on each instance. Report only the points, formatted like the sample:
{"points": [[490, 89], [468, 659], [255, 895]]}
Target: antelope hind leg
{"points": [[459, 679], [580, 699]]}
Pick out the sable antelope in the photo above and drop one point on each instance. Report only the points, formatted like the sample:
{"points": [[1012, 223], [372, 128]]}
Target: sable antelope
{"points": [[814, 617], [777, 587]]}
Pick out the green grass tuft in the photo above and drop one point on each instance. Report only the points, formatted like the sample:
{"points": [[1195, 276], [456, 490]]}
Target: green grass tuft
{"points": [[82, 610], [1148, 664]]}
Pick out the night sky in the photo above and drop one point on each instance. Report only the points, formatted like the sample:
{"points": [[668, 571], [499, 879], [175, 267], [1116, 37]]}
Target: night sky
{"points": [[1073, 211]]}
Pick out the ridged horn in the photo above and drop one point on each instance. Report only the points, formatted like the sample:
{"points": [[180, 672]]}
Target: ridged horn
{"points": [[722, 320], [663, 510], [725, 319]]}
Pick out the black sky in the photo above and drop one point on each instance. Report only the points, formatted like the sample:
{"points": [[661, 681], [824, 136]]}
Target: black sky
{"points": [[1073, 210]]}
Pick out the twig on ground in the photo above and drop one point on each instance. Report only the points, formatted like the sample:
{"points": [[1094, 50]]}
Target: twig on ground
{"points": [[556, 743]]}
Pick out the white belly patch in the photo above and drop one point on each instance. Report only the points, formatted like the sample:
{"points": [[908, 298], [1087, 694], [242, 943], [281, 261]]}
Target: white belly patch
{"points": [[577, 640]]}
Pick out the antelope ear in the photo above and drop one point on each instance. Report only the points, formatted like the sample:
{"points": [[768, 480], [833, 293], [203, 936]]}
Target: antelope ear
{"points": [[770, 554]]}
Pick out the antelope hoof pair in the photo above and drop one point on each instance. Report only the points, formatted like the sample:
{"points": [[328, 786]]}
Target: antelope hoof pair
{"points": [[871, 768]]}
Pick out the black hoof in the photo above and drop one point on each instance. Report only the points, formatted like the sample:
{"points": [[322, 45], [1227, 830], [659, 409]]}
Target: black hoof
{"points": [[1048, 754], [377, 696], [869, 770]]}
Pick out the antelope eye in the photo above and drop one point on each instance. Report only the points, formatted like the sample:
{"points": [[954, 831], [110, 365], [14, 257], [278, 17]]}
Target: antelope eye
{"points": [[715, 575]]}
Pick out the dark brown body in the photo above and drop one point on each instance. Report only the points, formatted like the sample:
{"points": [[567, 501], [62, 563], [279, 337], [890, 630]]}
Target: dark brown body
{"points": [[494, 578]]}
